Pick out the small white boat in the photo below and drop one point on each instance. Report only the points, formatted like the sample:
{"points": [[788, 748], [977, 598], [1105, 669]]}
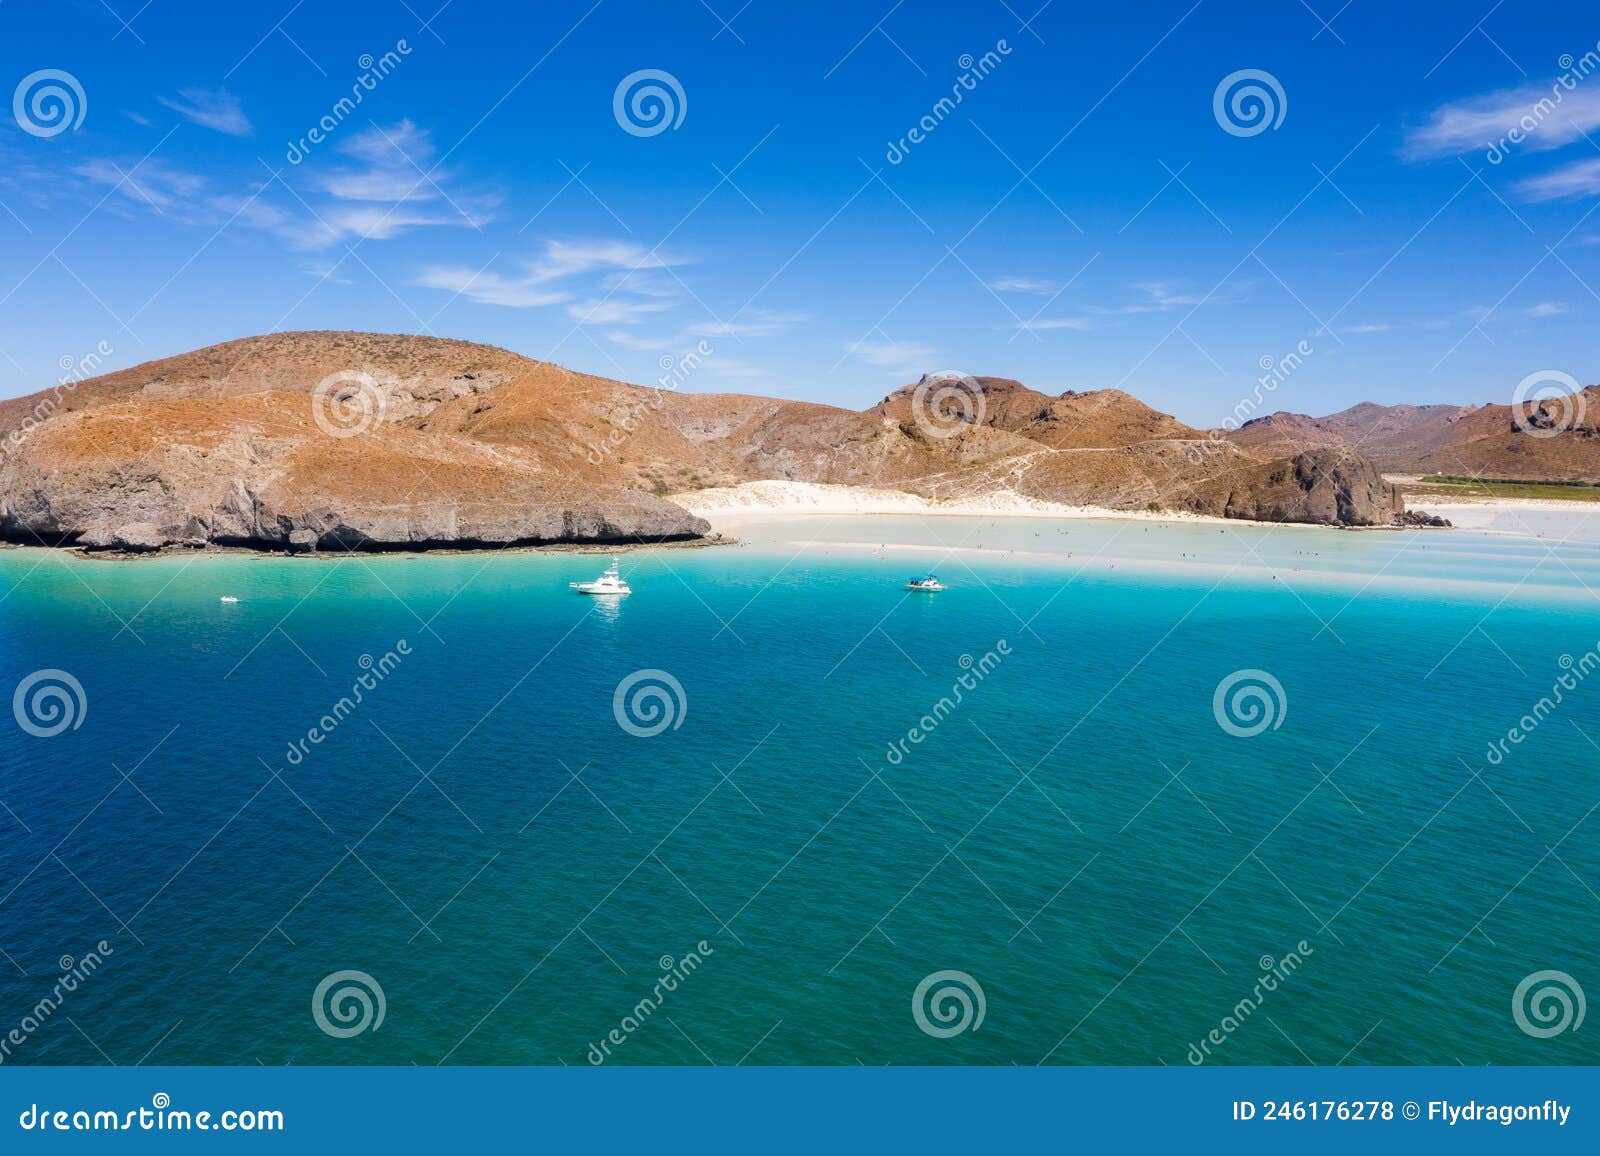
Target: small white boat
{"points": [[928, 582], [229, 598], [608, 583]]}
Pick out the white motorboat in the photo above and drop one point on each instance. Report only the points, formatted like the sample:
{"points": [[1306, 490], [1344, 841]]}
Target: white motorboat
{"points": [[228, 598], [928, 582], [608, 583]]}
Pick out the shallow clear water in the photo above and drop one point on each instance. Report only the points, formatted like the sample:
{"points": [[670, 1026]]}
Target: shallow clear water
{"points": [[1079, 833]]}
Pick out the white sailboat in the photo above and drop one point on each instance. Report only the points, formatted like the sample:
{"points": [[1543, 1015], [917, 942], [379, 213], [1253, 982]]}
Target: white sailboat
{"points": [[608, 583]]}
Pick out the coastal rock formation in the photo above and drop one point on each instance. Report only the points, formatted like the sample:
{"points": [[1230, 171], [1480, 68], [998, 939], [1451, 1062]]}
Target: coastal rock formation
{"points": [[1331, 487], [353, 441]]}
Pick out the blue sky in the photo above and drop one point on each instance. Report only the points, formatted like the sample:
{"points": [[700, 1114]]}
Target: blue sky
{"points": [[1081, 219]]}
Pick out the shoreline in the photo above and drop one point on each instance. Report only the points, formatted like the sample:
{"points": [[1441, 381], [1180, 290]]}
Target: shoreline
{"points": [[725, 507], [780, 499], [776, 500], [210, 550], [1551, 505]]}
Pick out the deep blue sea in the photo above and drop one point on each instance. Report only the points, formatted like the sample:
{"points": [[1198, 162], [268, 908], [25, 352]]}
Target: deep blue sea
{"points": [[821, 793]]}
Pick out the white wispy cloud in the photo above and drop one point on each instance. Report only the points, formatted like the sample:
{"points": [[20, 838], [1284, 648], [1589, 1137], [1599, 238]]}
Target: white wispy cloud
{"points": [[1167, 295], [217, 110], [567, 258], [154, 183], [1078, 323], [376, 200], [1161, 296], [254, 211], [382, 196], [749, 323], [1578, 179], [545, 280], [1373, 327], [648, 282], [1537, 311], [1024, 285], [391, 189], [324, 271], [392, 185], [375, 222], [905, 357], [715, 364], [394, 165], [1480, 122], [178, 195], [752, 323], [395, 145], [643, 344], [733, 369], [614, 310], [489, 288]]}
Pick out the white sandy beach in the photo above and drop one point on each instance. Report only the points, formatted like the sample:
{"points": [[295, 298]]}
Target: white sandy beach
{"points": [[1521, 517], [793, 520], [786, 499], [758, 501]]}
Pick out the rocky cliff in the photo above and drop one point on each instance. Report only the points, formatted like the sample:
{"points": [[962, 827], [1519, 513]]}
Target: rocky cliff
{"points": [[1332, 487]]}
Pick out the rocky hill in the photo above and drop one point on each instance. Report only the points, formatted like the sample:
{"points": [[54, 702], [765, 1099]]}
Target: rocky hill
{"points": [[1549, 440], [367, 441]]}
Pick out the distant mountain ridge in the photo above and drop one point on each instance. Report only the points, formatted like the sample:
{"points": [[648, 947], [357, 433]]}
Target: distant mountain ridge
{"points": [[1552, 440], [371, 441]]}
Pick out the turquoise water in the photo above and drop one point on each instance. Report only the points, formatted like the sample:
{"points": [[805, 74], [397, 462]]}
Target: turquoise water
{"points": [[1079, 834]]}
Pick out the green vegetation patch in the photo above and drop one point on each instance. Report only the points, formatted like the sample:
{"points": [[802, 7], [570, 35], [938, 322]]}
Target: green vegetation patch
{"points": [[1449, 485]]}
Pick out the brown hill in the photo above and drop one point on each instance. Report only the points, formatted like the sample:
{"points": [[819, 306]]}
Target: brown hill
{"points": [[1285, 433], [1541, 441], [1098, 419], [367, 441]]}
